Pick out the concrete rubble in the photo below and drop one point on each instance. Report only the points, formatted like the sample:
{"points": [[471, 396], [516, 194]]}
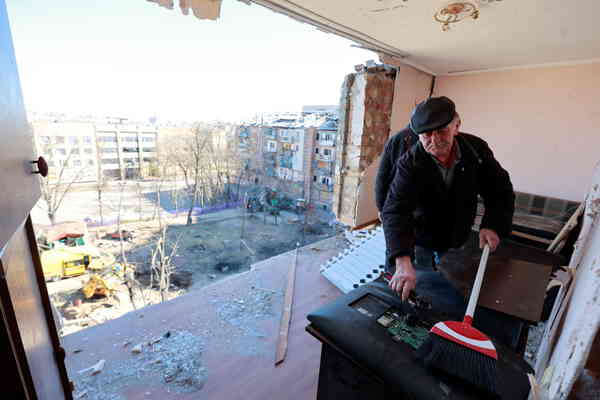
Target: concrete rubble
{"points": [[175, 360]]}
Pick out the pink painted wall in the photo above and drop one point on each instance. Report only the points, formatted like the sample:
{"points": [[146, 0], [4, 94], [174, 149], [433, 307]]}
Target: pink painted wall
{"points": [[411, 87], [542, 123]]}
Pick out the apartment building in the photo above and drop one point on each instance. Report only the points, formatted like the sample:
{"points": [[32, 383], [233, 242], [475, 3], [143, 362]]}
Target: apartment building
{"points": [[87, 151], [323, 165], [69, 148], [126, 151], [294, 154]]}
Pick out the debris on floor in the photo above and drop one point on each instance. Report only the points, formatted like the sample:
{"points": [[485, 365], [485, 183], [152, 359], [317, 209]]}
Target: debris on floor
{"points": [[175, 362], [534, 338], [94, 369], [240, 316]]}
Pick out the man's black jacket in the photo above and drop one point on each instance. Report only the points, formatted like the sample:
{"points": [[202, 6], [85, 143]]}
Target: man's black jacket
{"points": [[419, 208], [395, 147]]}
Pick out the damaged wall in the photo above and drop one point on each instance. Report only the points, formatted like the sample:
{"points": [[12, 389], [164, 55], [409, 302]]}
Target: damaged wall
{"points": [[582, 320], [366, 111], [411, 87], [542, 123]]}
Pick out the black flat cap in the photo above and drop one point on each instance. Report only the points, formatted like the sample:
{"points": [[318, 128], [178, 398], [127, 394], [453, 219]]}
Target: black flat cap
{"points": [[431, 114]]}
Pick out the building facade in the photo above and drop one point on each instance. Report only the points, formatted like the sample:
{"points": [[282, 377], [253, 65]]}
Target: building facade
{"points": [[126, 151], [293, 155], [323, 165], [91, 151], [69, 149]]}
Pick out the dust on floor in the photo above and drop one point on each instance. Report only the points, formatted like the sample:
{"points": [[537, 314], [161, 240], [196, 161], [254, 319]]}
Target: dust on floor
{"points": [[173, 359]]}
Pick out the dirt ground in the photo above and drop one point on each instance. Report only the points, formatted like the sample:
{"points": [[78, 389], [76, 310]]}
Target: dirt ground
{"points": [[215, 246]]}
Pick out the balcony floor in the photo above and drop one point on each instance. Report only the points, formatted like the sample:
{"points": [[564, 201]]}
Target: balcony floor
{"points": [[239, 360]]}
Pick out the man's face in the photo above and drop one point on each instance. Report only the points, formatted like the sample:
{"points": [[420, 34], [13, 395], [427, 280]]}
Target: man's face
{"points": [[438, 143]]}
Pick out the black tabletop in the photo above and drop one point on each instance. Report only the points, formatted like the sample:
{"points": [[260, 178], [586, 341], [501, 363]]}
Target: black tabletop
{"points": [[369, 344]]}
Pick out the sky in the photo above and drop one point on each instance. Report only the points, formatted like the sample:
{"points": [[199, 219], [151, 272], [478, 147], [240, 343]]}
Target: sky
{"points": [[131, 58]]}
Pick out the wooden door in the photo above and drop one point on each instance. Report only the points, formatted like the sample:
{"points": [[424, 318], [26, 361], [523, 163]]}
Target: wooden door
{"points": [[36, 361], [19, 188]]}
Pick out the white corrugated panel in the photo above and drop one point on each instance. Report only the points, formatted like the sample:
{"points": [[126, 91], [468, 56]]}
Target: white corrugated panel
{"points": [[360, 264]]}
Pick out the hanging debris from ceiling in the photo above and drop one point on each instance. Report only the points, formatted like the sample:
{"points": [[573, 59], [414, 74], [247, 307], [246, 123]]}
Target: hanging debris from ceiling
{"points": [[202, 9]]}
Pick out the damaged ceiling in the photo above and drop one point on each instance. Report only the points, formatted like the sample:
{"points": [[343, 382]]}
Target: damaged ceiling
{"points": [[507, 33]]}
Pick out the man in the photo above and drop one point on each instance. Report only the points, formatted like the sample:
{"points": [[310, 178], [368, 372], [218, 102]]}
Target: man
{"points": [[430, 201]]}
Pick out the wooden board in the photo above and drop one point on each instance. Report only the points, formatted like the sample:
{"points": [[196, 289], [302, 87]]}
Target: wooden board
{"points": [[366, 210], [286, 316], [511, 286]]}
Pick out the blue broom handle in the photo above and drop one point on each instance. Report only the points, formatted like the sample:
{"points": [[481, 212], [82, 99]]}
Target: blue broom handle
{"points": [[478, 281]]}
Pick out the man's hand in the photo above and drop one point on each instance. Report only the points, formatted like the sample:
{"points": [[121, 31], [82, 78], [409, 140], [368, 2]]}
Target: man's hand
{"points": [[490, 237], [405, 278]]}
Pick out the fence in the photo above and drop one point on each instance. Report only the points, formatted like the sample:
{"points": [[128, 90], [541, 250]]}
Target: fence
{"points": [[207, 210]]}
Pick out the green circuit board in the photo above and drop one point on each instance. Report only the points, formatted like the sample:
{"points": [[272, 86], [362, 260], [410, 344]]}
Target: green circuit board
{"points": [[404, 328]]}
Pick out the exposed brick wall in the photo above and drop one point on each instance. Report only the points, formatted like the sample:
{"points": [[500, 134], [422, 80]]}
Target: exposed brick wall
{"points": [[378, 113], [366, 111]]}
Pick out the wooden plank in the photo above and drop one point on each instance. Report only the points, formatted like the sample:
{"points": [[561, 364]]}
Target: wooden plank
{"points": [[514, 287], [531, 237], [286, 317], [571, 223], [366, 224]]}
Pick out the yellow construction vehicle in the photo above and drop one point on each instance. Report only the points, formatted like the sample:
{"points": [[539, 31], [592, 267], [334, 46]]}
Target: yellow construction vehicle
{"points": [[96, 285], [103, 284], [63, 262]]}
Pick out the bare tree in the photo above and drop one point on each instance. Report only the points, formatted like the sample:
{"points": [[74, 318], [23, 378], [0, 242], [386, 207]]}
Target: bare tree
{"points": [[205, 158], [140, 196], [162, 266], [175, 196], [187, 154], [130, 280], [100, 186], [60, 180]]}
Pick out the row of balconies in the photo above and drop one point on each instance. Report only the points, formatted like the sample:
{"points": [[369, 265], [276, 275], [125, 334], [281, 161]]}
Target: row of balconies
{"points": [[323, 187], [322, 157], [330, 143]]}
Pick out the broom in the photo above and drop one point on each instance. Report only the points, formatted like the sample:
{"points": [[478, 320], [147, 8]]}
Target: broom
{"points": [[461, 350]]}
